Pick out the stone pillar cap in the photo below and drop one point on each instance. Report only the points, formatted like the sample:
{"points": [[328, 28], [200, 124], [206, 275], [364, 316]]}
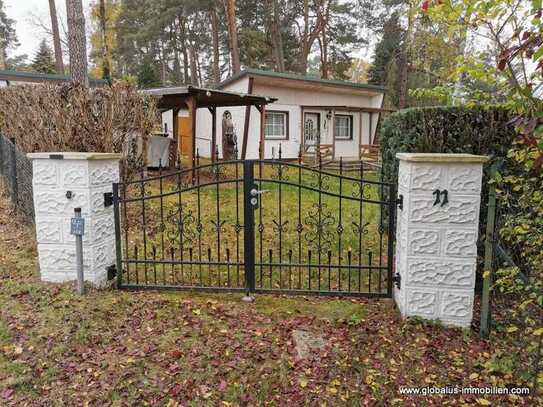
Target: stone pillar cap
{"points": [[442, 158], [75, 156]]}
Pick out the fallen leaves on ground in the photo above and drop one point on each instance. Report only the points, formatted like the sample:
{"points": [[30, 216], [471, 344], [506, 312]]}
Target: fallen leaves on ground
{"points": [[177, 349]]}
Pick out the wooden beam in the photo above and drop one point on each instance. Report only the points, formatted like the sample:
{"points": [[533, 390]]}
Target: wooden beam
{"points": [[262, 127], [214, 150], [247, 121], [191, 103]]}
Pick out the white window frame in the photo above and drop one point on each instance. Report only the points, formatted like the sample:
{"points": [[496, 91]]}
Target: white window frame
{"points": [[350, 119], [284, 133]]}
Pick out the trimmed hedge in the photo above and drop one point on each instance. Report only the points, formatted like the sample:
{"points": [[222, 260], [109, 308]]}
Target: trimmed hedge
{"points": [[444, 129], [479, 130]]}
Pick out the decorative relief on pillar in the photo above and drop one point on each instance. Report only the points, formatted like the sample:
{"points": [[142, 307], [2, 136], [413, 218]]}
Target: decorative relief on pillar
{"points": [[423, 242], [460, 210], [440, 272], [403, 175], [421, 302], [465, 179], [460, 243], [426, 177], [74, 174], [456, 305], [103, 256], [55, 202], [44, 173], [103, 228], [105, 174], [48, 231], [57, 258]]}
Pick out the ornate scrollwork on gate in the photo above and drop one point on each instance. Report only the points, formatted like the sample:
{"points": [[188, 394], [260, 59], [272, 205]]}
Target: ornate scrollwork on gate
{"points": [[320, 181], [182, 221], [362, 191], [280, 173], [320, 222], [361, 229]]}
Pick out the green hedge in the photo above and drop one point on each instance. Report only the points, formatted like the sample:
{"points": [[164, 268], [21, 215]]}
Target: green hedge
{"points": [[479, 130]]}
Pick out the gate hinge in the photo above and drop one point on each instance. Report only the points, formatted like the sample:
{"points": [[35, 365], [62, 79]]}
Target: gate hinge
{"points": [[399, 202], [108, 199], [111, 272], [397, 279]]}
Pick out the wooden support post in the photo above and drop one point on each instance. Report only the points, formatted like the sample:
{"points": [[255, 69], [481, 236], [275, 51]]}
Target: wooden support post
{"points": [[191, 103], [247, 121], [214, 148]]}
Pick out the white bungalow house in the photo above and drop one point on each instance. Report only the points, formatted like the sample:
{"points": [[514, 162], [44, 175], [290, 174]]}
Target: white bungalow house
{"points": [[310, 114]]}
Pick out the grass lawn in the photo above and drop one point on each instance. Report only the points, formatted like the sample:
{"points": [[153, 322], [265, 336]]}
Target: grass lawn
{"points": [[156, 348]]}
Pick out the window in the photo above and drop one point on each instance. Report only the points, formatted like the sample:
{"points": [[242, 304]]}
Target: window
{"points": [[276, 125], [343, 126]]}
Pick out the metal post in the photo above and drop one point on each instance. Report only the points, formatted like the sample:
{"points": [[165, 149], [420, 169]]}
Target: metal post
{"points": [[13, 172], [118, 246], [78, 229], [391, 226], [484, 328], [249, 228]]}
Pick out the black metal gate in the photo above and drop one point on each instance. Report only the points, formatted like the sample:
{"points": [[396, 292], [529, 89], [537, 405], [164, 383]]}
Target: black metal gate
{"points": [[256, 226]]}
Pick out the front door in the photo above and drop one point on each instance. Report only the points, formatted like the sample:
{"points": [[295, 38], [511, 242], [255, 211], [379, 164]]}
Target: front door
{"points": [[312, 131]]}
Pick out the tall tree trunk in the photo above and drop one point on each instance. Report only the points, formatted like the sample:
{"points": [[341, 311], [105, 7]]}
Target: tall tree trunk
{"points": [[405, 58], [230, 10], [276, 36], [193, 65], [77, 42], [323, 45], [183, 31], [215, 37], [106, 68], [59, 63], [311, 33], [176, 63]]}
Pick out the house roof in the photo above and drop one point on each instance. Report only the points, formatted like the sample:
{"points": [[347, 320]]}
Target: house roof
{"points": [[35, 77], [176, 97], [303, 78]]}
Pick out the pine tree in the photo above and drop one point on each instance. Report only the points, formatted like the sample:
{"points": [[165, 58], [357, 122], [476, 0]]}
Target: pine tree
{"points": [[8, 38], [386, 50], [44, 61]]}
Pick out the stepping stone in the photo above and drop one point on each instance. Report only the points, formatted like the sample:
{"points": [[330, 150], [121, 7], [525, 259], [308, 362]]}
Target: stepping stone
{"points": [[305, 342]]}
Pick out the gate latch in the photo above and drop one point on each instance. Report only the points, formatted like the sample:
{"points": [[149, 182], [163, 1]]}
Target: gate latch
{"points": [[399, 202], [108, 199], [397, 279]]}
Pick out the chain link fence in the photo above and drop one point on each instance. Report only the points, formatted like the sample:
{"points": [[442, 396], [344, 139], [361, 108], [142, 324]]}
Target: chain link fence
{"points": [[16, 176]]}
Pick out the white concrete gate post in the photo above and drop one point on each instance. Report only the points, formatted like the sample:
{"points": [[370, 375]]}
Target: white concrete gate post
{"points": [[437, 230], [62, 182]]}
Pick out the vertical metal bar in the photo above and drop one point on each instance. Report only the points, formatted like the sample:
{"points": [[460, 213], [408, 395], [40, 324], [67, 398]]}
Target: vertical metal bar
{"points": [[260, 224], [300, 226], [484, 329], [162, 226], [126, 229], [144, 223], [118, 245], [249, 226], [237, 221], [340, 223], [391, 227], [79, 257]]}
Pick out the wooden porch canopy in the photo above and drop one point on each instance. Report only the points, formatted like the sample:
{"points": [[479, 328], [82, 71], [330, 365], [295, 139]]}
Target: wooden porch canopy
{"points": [[192, 98]]}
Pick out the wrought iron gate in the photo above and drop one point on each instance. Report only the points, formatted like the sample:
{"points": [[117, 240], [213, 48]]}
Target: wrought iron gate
{"points": [[256, 226]]}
